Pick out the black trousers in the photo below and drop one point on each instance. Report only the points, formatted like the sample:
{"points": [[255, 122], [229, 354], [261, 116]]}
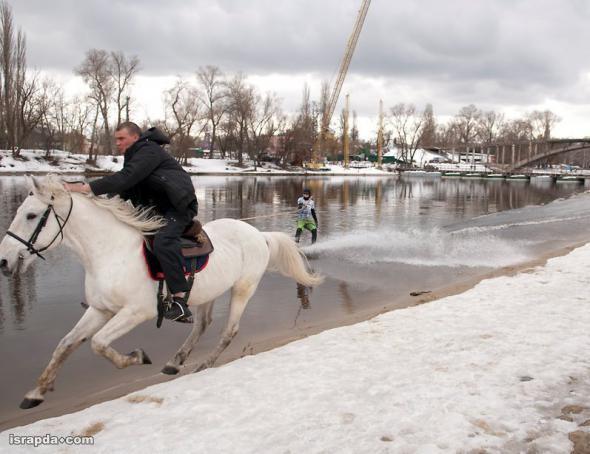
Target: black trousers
{"points": [[167, 247]]}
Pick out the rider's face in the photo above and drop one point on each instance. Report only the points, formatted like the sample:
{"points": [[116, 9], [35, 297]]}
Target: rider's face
{"points": [[124, 139]]}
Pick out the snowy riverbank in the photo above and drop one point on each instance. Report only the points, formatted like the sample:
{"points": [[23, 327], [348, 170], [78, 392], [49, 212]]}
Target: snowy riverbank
{"points": [[36, 161], [503, 367]]}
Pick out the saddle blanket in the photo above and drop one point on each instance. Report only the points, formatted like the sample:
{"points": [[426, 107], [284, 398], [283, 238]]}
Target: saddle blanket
{"points": [[155, 270]]}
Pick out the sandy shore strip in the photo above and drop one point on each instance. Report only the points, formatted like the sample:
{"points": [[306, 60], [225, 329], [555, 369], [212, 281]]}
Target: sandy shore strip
{"points": [[502, 367]]}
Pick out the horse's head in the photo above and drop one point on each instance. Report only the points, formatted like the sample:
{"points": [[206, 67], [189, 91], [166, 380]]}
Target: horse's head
{"points": [[37, 226]]}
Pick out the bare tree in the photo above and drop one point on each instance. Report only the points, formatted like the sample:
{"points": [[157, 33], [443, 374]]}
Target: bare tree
{"points": [[428, 138], [20, 81], [519, 130], [182, 115], [13, 75], [78, 119], [354, 134], [122, 70], [47, 106], [214, 97], [466, 123], [241, 106], [301, 135], [59, 114], [7, 65], [94, 134], [227, 139], [542, 123], [489, 126], [266, 119], [96, 71], [407, 127], [30, 109]]}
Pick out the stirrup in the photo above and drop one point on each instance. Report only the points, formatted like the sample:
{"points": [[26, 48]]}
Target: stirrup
{"points": [[185, 315]]}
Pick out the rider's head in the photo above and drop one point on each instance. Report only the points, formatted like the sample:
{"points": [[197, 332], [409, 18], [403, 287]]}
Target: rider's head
{"points": [[126, 134], [306, 193]]}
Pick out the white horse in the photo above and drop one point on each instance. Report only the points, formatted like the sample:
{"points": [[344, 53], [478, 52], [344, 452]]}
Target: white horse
{"points": [[107, 235]]}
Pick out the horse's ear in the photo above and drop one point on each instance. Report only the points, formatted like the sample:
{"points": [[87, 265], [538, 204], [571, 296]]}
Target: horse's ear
{"points": [[35, 184], [29, 183]]}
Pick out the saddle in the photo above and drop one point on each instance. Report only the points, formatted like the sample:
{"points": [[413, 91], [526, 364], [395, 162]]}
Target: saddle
{"points": [[196, 247], [195, 241], [195, 244]]}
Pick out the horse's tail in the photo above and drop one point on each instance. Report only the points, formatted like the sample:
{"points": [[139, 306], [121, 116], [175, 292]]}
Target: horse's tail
{"points": [[287, 259]]}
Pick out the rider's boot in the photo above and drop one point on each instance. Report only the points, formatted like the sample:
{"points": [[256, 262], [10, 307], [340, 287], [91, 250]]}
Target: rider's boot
{"points": [[314, 236], [298, 235], [178, 311]]}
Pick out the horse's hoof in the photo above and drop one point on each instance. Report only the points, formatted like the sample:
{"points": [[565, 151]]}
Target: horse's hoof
{"points": [[30, 403], [170, 370], [143, 357], [200, 368]]}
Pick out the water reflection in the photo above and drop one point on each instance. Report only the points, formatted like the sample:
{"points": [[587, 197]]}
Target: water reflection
{"points": [[303, 296], [303, 293], [347, 301]]}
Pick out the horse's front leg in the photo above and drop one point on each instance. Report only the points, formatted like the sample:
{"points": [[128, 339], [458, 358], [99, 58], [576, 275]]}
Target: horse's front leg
{"points": [[202, 320], [123, 322], [241, 294], [90, 323]]}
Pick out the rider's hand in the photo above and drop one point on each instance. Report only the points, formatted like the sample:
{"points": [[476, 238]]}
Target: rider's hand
{"points": [[78, 187]]}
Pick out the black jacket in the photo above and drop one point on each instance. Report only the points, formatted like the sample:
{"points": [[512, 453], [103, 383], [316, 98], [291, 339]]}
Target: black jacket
{"points": [[150, 177]]}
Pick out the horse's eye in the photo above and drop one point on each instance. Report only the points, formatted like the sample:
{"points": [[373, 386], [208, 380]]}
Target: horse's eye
{"points": [[31, 216], [31, 193]]}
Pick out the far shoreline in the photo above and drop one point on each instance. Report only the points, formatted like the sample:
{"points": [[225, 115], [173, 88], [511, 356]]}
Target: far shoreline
{"points": [[217, 174]]}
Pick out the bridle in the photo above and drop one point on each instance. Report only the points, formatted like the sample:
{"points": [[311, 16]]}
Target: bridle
{"points": [[30, 244]]}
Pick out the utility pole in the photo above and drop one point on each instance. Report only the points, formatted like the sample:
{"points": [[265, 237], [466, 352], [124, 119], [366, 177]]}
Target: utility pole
{"points": [[346, 139], [380, 137]]}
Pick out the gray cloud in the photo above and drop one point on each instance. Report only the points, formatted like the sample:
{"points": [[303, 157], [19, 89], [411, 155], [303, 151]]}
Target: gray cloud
{"points": [[457, 51]]}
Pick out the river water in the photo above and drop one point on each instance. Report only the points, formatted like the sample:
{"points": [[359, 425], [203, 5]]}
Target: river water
{"points": [[380, 239]]}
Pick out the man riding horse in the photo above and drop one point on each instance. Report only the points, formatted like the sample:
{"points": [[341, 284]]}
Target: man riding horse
{"points": [[151, 178]]}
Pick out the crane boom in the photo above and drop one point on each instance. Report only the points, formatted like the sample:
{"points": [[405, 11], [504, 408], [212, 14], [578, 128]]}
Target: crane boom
{"points": [[331, 105], [350, 46]]}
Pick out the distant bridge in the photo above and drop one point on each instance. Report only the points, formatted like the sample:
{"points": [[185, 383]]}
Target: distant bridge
{"points": [[510, 157]]}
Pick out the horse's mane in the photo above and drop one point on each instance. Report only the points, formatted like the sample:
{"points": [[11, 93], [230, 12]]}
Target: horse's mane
{"points": [[141, 219]]}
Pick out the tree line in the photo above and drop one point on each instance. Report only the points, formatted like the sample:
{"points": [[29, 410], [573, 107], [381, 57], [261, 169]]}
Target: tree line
{"points": [[411, 129], [214, 110]]}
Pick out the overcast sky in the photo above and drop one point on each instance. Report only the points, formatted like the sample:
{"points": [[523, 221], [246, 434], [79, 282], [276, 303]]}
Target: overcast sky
{"points": [[512, 56]]}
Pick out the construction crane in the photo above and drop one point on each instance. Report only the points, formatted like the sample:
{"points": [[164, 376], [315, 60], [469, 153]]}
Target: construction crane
{"points": [[331, 105]]}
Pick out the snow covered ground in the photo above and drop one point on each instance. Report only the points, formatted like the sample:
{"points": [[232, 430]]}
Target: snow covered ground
{"points": [[64, 162], [502, 368]]}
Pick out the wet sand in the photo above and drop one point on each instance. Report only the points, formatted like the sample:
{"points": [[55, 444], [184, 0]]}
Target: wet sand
{"points": [[254, 344]]}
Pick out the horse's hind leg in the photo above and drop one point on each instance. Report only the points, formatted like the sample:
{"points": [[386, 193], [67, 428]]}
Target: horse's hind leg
{"points": [[202, 320], [123, 322], [90, 323], [242, 291]]}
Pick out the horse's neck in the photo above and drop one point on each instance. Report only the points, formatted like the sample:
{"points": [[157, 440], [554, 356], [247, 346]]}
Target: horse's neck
{"points": [[93, 232]]}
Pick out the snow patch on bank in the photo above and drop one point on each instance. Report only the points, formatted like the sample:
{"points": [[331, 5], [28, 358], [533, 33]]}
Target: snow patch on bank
{"points": [[37, 161]]}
